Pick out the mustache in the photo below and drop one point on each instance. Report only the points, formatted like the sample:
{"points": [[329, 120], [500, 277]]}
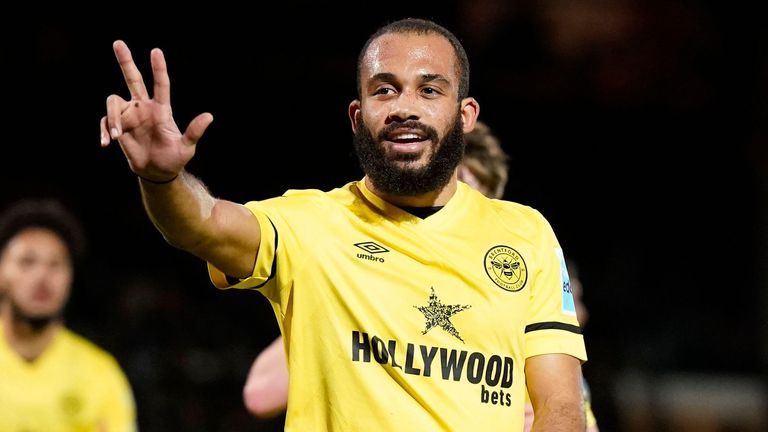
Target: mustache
{"points": [[427, 130]]}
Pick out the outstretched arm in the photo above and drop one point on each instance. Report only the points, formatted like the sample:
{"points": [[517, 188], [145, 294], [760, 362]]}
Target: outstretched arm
{"points": [[189, 217], [554, 385], [266, 390]]}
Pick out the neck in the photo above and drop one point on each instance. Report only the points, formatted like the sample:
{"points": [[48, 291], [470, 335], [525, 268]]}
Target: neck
{"points": [[27, 341], [439, 197]]}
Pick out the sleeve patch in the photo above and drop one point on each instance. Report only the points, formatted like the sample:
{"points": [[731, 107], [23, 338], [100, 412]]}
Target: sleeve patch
{"points": [[568, 306]]}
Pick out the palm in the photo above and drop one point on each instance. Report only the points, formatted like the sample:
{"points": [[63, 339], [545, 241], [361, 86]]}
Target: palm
{"points": [[148, 135], [152, 141]]}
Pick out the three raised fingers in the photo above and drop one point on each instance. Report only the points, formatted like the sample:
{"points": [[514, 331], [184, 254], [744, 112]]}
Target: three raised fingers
{"points": [[111, 125]]}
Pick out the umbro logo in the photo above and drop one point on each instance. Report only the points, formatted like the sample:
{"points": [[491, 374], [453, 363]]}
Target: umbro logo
{"points": [[372, 248]]}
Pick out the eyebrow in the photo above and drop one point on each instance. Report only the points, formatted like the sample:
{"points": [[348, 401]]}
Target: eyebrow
{"points": [[390, 77], [435, 77]]}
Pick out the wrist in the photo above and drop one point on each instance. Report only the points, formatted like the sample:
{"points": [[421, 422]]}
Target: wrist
{"points": [[157, 182]]}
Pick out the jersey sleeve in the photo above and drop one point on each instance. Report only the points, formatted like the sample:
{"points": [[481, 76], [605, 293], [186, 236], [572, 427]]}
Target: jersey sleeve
{"points": [[288, 224], [265, 267], [551, 325]]}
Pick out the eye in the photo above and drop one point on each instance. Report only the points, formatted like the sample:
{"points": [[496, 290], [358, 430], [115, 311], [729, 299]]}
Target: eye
{"points": [[58, 264], [430, 91], [27, 261], [384, 91]]}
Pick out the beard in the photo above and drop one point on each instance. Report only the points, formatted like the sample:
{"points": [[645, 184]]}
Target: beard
{"points": [[386, 171], [36, 323]]}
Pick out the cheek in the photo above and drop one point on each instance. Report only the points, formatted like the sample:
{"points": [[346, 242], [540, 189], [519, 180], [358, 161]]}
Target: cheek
{"points": [[13, 281], [444, 121], [374, 115], [437, 113], [61, 283]]}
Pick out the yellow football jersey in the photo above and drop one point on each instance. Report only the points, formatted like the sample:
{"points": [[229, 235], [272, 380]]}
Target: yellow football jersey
{"points": [[73, 386], [393, 322]]}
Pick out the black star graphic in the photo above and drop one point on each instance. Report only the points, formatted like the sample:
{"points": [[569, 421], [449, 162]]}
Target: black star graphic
{"points": [[438, 314]]}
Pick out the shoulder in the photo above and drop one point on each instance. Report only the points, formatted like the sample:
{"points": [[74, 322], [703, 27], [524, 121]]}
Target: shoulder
{"points": [[302, 200], [517, 213], [513, 217], [516, 209], [87, 352]]}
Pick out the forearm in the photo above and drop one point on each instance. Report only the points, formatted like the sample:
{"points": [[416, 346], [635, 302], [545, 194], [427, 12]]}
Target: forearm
{"points": [[554, 386], [559, 416], [180, 210], [218, 231]]}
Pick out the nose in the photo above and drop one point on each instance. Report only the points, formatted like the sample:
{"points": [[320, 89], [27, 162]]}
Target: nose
{"points": [[403, 107]]}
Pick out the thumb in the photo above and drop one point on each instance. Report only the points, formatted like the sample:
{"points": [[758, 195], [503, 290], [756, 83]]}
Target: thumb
{"points": [[197, 127]]}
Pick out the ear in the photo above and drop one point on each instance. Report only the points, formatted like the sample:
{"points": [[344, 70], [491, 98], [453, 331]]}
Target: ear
{"points": [[470, 109], [354, 112]]}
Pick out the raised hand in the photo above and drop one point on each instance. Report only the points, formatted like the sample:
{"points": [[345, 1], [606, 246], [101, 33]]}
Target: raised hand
{"points": [[144, 126]]}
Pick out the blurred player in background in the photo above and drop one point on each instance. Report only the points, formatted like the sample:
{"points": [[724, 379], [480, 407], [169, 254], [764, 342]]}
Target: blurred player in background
{"points": [[51, 379]]}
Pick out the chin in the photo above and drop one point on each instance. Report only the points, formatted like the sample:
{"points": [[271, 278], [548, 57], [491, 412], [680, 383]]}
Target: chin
{"points": [[41, 312], [412, 164]]}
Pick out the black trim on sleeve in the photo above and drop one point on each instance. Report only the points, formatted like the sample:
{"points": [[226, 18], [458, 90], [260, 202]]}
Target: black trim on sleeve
{"points": [[273, 270], [553, 325], [233, 280]]}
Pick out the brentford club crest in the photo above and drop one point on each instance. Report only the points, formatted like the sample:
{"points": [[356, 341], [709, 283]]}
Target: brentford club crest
{"points": [[506, 268]]}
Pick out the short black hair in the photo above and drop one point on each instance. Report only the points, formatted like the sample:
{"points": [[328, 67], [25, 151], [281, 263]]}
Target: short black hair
{"points": [[422, 26], [45, 213]]}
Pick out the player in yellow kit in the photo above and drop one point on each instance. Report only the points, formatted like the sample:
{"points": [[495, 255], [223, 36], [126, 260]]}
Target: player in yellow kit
{"points": [[407, 300], [51, 379]]}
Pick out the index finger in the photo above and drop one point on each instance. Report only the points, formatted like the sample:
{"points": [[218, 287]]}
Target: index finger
{"points": [[130, 72]]}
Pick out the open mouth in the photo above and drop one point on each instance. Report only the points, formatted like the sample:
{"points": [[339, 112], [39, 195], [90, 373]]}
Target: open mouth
{"points": [[409, 141]]}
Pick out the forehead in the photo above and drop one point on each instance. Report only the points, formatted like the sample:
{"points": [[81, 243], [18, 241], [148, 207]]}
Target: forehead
{"points": [[403, 53], [34, 239]]}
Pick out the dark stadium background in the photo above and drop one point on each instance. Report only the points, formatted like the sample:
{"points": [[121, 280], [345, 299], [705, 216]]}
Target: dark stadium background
{"points": [[638, 130]]}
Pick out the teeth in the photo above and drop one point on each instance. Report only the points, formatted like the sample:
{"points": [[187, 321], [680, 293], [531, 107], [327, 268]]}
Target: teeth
{"points": [[407, 136]]}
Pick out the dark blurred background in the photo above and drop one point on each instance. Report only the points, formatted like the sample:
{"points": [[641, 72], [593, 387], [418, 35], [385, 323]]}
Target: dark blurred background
{"points": [[637, 128]]}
